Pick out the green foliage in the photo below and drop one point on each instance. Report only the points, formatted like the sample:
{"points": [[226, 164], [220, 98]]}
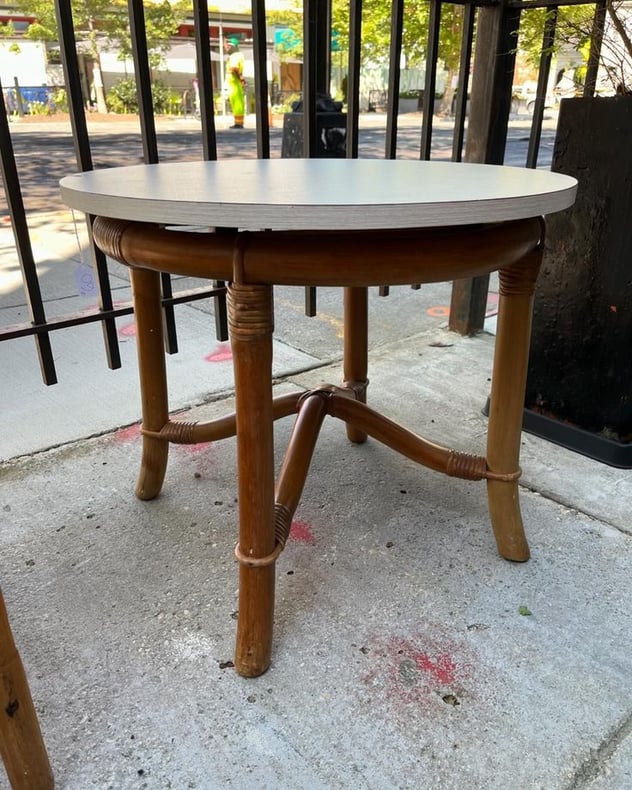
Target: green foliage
{"points": [[122, 98], [376, 30], [573, 29], [106, 22], [38, 108], [286, 106], [60, 100], [165, 100], [161, 23]]}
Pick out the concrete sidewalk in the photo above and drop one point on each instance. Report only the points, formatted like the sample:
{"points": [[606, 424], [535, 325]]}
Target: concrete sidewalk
{"points": [[407, 654]]}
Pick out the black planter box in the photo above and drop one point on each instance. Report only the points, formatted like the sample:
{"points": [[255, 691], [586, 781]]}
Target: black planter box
{"points": [[579, 387]]}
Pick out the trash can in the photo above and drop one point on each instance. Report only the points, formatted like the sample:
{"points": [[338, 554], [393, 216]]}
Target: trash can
{"points": [[331, 130]]}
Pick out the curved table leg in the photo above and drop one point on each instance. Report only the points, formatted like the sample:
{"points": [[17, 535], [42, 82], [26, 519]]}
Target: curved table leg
{"points": [[355, 362], [21, 744], [509, 377], [251, 324], [153, 380]]}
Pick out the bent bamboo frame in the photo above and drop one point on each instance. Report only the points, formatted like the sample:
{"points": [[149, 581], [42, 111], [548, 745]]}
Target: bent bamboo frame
{"points": [[252, 263]]}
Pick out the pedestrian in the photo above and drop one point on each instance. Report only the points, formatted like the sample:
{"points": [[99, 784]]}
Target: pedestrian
{"points": [[234, 81]]}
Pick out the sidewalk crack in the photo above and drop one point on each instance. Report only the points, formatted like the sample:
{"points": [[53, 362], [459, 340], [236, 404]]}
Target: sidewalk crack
{"points": [[593, 766]]}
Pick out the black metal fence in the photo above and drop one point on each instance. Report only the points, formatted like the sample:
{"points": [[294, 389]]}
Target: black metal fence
{"points": [[483, 95]]}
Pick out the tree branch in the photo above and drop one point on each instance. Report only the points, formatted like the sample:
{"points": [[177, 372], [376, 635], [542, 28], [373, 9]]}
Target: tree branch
{"points": [[619, 26]]}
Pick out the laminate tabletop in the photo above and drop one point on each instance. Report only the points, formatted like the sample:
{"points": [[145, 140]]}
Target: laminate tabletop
{"points": [[318, 194]]}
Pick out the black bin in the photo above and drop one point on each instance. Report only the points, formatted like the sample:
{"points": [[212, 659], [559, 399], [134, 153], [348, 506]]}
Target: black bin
{"points": [[579, 387], [331, 130]]}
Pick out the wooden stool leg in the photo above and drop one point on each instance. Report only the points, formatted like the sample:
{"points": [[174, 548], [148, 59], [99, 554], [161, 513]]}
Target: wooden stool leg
{"points": [[251, 325], [355, 364], [153, 380], [507, 403], [21, 744]]}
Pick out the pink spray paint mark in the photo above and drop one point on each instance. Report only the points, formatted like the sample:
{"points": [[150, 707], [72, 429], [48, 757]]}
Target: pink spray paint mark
{"points": [[492, 305], [438, 311], [129, 330], [129, 434], [302, 533], [201, 459], [222, 353], [194, 449]]}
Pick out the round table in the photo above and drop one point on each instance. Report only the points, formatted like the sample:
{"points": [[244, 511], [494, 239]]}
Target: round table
{"points": [[320, 222]]}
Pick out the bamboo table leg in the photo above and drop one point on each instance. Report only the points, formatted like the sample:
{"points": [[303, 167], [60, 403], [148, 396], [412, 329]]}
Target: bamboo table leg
{"points": [[153, 379], [509, 377], [251, 325], [355, 363], [21, 744]]}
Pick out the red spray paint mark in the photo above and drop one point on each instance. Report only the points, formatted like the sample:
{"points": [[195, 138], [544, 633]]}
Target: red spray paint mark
{"points": [[129, 434], [222, 353], [417, 670], [302, 533], [129, 330], [441, 667]]}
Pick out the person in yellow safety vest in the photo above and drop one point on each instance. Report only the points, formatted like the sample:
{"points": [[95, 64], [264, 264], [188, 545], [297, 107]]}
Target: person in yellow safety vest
{"points": [[234, 81]]}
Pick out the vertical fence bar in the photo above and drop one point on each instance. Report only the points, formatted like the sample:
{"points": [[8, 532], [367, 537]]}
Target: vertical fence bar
{"points": [[13, 194], [501, 85], [463, 83], [209, 134], [81, 143], [432, 53], [395, 53], [72, 80], [353, 78], [261, 78], [548, 39], [310, 67], [318, 33], [142, 77], [392, 108], [310, 118], [205, 79], [323, 47]]}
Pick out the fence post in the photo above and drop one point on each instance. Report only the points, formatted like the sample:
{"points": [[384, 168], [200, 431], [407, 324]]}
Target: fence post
{"points": [[19, 104], [487, 135]]}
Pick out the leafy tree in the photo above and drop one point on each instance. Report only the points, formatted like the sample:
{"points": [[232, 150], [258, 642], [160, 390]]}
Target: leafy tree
{"points": [[376, 33], [574, 28], [104, 23]]}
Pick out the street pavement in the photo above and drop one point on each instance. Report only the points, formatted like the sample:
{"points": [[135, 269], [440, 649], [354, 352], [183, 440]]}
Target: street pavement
{"points": [[407, 654]]}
